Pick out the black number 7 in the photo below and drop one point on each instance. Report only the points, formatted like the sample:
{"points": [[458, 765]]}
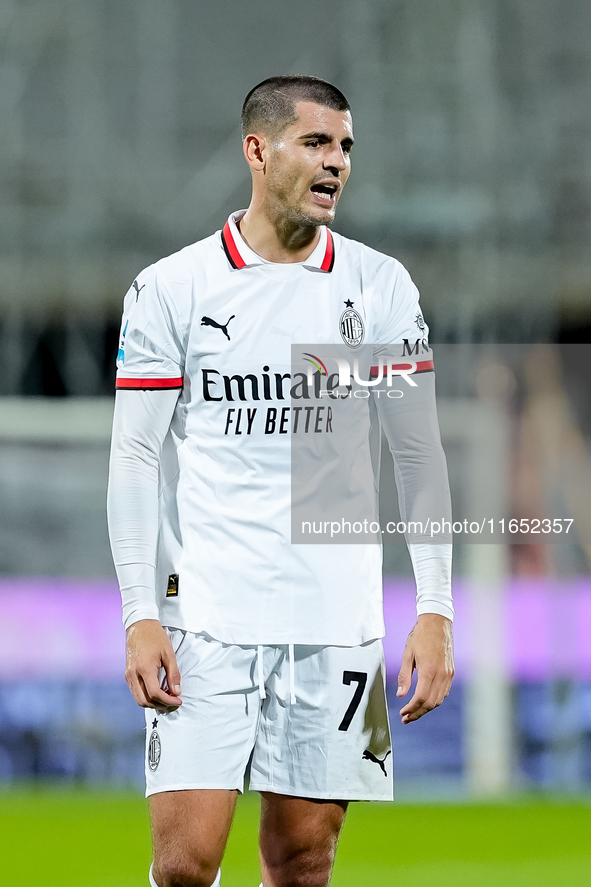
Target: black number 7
{"points": [[348, 677]]}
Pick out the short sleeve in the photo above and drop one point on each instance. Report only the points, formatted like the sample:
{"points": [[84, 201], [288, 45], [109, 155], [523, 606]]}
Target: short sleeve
{"points": [[151, 351], [401, 318]]}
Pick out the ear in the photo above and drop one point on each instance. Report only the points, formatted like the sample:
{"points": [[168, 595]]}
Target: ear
{"points": [[254, 150]]}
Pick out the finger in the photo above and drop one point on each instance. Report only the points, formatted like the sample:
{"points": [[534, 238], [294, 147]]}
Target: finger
{"points": [[429, 694], [422, 701], [442, 683], [419, 707], [161, 707], [138, 690], [173, 675], [156, 694], [443, 689], [423, 709], [446, 689], [405, 673]]}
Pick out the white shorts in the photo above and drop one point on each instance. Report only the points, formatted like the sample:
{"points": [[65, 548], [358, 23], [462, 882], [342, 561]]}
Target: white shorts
{"points": [[321, 730]]}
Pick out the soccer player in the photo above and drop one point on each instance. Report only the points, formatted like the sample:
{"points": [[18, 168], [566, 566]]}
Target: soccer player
{"points": [[242, 647]]}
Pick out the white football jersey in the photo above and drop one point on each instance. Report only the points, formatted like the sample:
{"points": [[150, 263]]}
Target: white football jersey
{"points": [[217, 322]]}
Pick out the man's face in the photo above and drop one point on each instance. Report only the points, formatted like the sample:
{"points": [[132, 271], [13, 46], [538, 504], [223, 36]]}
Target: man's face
{"points": [[308, 165]]}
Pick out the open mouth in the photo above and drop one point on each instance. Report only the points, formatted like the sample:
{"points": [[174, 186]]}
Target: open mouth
{"points": [[325, 194]]}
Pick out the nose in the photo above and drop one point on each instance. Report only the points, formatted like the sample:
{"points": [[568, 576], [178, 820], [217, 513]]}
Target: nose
{"points": [[336, 159]]}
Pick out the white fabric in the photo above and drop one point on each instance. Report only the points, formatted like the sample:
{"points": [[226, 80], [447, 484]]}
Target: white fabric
{"points": [[299, 749], [290, 656], [140, 424], [412, 431], [260, 671], [188, 495], [432, 563]]}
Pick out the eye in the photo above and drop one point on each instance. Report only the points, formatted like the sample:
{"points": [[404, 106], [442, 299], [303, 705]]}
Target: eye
{"points": [[314, 143]]}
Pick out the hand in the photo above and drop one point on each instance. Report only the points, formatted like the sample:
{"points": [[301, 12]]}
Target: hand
{"points": [[429, 649], [148, 650]]}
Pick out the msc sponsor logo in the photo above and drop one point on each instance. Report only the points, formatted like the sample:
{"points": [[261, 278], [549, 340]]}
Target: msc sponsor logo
{"points": [[420, 346]]}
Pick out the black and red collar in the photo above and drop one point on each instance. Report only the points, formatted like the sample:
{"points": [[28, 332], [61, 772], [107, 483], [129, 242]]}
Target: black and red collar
{"points": [[241, 256], [230, 248]]}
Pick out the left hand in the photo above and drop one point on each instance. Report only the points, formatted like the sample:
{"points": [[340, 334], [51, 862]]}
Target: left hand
{"points": [[429, 649]]}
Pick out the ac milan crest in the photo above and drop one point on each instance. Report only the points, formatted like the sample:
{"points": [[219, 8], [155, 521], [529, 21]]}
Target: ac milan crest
{"points": [[351, 326], [154, 749]]}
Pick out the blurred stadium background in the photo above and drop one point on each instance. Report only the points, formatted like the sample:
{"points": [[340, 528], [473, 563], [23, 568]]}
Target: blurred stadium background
{"points": [[120, 144]]}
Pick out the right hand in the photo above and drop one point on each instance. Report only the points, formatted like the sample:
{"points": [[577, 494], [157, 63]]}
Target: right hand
{"points": [[148, 650]]}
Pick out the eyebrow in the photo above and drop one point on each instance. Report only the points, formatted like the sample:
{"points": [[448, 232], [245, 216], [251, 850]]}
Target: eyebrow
{"points": [[325, 137]]}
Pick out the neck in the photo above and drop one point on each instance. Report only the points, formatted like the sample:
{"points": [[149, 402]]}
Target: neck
{"points": [[277, 239]]}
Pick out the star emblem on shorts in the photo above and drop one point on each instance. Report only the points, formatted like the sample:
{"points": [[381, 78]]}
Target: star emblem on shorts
{"points": [[348, 303], [154, 723]]}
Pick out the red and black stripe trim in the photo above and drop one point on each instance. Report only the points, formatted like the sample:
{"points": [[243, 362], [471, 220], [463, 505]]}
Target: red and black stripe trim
{"points": [[236, 261], [422, 366], [136, 384], [230, 248], [328, 260]]}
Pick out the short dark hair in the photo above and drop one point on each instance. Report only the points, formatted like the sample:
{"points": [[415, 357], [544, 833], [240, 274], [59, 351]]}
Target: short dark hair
{"points": [[270, 106]]}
